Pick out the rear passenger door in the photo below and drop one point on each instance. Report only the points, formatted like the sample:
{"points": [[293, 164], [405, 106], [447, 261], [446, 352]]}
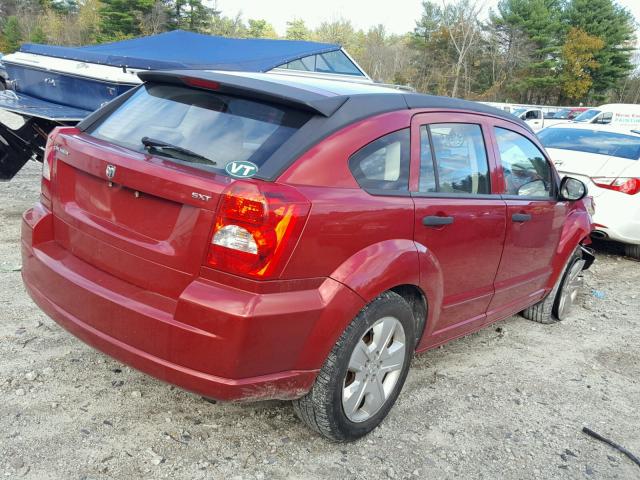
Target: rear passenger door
{"points": [[459, 219], [534, 219]]}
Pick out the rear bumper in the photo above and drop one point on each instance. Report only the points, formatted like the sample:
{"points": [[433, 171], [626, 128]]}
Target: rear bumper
{"points": [[217, 341], [617, 215]]}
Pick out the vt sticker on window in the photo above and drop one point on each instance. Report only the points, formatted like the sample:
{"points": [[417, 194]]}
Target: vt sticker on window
{"points": [[241, 169]]}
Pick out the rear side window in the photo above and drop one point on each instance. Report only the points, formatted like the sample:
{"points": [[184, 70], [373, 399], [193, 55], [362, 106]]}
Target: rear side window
{"points": [[526, 171], [384, 163], [219, 128], [453, 159]]}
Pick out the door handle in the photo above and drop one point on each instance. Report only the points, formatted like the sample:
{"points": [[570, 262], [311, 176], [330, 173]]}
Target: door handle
{"points": [[521, 217], [436, 221]]}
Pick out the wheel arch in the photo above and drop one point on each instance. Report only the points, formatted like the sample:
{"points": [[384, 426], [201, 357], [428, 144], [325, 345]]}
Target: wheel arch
{"points": [[390, 265], [575, 232], [417, 300]]}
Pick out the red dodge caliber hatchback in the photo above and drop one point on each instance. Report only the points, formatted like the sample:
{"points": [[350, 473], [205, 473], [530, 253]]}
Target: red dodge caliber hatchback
{"points": [[256, 236]]}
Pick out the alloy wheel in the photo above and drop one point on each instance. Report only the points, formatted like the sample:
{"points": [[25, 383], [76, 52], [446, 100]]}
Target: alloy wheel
{"points": [[570, 289], [374, 369]]}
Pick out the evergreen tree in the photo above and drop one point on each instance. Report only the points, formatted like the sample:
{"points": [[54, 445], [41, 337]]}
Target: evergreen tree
{"points": [[192, 15], [121, 18], [12, 34], [541, 22], [615, 27], [38, 36]]}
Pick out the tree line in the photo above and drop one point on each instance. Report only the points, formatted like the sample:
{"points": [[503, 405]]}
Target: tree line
{"points": [[562, 52]]}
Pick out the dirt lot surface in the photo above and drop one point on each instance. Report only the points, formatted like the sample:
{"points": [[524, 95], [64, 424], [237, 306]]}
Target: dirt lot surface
{"points": [[506, 403]]}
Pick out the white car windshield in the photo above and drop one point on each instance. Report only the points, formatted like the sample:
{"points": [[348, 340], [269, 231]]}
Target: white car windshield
{"points": [[587, 116]]}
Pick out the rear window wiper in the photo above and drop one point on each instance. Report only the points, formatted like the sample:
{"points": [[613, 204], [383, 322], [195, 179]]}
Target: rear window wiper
{"points": [[151, 143]]}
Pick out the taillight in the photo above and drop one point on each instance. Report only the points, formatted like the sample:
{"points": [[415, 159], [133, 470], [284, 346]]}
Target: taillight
{"points": [[48, 161], [256, 228], [630, 186]]}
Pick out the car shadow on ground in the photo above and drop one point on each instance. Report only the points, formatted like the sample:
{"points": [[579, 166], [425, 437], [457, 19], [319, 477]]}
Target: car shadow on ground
{"points": [[610, 248]]}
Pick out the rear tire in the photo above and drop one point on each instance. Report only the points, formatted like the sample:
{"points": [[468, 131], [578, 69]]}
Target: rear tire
{"points": [[364, 373], [554, 308], [632, 251]]}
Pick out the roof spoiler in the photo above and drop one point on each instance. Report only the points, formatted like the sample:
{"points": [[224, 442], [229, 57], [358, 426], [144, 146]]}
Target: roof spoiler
{"points": [[258, 89]]}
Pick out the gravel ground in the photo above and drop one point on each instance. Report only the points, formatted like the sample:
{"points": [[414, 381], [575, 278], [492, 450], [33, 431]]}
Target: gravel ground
{"points": [[508, 402]]}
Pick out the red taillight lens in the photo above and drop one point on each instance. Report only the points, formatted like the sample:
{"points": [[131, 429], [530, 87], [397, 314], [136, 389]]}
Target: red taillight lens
{"points": [[630, 186], [48, 161], [256, 228]]}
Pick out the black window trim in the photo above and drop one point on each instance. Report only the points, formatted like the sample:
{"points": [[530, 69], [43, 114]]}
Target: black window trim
{"points": [[438, 194], [477, 196]]}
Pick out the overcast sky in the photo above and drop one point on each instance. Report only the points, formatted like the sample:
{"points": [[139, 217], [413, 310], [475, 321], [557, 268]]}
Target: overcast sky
{"points": [[398, 16]]}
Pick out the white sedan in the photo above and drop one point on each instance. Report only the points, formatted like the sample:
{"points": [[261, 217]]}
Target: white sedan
{"points": [[607, 160]]}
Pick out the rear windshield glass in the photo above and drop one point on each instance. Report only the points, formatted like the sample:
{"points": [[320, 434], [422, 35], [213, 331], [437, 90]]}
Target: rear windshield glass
{"points": [[209, 129], [592, 141]]}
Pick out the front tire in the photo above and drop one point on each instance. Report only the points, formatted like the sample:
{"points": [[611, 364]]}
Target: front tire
{"points": [[364, 373], [557, 305]]}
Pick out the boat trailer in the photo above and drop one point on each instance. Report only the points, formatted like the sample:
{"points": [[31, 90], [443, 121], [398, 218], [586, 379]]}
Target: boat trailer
{"points": [[19, 146]]}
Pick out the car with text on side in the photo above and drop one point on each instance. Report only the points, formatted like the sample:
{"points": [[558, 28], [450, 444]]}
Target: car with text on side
{"points": [[246, 236], [607, 159]]}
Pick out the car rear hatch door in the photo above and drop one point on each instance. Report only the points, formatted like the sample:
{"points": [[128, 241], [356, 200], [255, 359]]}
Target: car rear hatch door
{"points": [[136, 187], [140, 218]]}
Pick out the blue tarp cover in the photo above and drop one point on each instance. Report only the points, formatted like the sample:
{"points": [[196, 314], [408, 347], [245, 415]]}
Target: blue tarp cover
{"points": [[179, 49]]}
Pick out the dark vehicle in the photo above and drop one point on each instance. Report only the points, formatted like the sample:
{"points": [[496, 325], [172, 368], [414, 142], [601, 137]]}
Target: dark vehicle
{"points": [[249, 237]]}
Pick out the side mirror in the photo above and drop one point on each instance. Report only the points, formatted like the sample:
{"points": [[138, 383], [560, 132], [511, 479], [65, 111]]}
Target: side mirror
{"points": [[572, 189]]}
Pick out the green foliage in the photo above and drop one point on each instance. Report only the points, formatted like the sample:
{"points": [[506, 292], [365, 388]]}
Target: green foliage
{"points": [[37, 35], [192, 15], [11, 34], [261, 29], [121, 18], [541, 23], [297, 30], [615, 26]]}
